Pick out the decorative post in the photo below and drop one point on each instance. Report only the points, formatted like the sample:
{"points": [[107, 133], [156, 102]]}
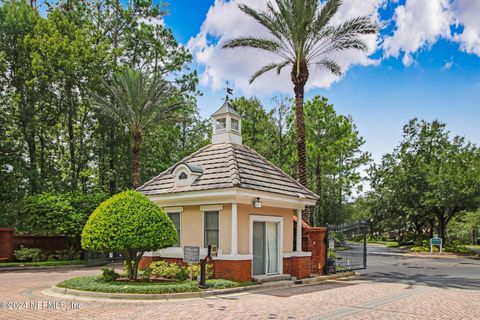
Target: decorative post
{"points": [[299, 231], [234, 231]]}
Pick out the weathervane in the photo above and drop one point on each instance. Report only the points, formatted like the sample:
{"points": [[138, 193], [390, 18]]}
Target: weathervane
{"points": [[229, 91]]}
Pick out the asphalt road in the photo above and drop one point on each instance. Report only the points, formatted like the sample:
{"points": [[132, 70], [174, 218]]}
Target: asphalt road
{"points": [[389, 265]]}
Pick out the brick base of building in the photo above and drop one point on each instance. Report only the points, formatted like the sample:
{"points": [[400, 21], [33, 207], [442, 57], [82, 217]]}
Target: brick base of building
{"points": [[238, 270], [300, 267]]}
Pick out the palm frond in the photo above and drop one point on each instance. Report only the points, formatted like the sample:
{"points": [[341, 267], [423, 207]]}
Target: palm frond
{"points": [[330, 65], [250, 42], [262, 70]]}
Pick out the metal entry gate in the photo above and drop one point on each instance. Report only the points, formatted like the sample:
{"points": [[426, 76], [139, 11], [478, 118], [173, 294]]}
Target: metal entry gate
{"points": [[346, 247]]}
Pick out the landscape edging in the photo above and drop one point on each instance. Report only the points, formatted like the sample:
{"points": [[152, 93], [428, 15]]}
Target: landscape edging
{"points": [[188, 295]]}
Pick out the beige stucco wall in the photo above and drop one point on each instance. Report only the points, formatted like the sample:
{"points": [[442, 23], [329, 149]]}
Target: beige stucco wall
{"points": [[192, 226], [244, 212]]}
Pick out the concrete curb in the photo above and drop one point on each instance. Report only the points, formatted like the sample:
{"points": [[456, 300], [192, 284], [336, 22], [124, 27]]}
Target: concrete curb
{"points": [[65, 293]]}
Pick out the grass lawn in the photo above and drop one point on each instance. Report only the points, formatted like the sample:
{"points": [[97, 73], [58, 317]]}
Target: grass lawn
{"points": [[41, 263], [91, 283]]}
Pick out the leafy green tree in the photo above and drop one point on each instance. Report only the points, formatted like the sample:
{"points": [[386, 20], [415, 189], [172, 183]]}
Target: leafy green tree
{"points": [[58, 214], [335, 158], [302, 36], [429, 176], [254, 123], [140, 100], [130, 223]]}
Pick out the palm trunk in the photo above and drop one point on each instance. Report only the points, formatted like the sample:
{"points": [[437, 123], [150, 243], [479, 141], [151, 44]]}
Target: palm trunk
{"points": [[137, 141], [300, 130], [299, 78]]}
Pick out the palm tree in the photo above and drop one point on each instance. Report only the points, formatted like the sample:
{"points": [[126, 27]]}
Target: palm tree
{"points": [[301, 35], [137, 100]]}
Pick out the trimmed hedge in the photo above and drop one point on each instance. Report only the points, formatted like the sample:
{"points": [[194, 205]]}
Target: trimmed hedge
{"points": [[128, 220], [91, 283]]}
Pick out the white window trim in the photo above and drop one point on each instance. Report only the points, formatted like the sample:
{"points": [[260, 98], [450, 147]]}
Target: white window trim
{"points": [[276, 219], [221, 129], [212, 207], [215, 207], [238, 124], [178, 210]]}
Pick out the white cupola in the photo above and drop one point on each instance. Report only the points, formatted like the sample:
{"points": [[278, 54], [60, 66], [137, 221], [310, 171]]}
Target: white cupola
{"points": [[227, 125]]}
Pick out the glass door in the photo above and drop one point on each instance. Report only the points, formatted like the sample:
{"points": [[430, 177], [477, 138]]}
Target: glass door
{"points": [[266, 247], [258, 248], [272, 247]]}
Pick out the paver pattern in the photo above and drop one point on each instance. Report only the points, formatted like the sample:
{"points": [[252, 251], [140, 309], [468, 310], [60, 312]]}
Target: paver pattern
{"points": [[351, 299]]}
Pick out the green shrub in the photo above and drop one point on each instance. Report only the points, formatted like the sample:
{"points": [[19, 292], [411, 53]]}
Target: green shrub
{"points": [[162, 269], [196, 270], [171, 270], [108, 275], [331, 255], [130, 223], [90, 283], [28, 254]]}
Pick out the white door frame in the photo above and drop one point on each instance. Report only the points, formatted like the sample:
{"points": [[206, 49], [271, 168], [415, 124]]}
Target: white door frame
{"points": [[275, 219]]}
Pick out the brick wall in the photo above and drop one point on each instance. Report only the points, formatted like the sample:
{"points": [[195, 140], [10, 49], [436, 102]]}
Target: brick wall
{"points": [[45, 243], [145, 261], [6, 244], [300, 267], [239, 270], [287, 264]]}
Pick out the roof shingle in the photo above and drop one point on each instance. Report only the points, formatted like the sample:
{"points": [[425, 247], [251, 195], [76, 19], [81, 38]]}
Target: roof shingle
{"points": [[227, 165]]}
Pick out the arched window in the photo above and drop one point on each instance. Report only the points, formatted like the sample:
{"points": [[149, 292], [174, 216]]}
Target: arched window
{"points": [[183, 176]]}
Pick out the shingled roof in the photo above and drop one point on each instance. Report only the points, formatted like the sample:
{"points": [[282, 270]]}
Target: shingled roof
{"points": [[227, 165]]}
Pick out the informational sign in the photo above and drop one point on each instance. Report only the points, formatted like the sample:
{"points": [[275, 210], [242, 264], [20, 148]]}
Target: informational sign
{"points": [[436, 242], [331, 244], [191, 254]]}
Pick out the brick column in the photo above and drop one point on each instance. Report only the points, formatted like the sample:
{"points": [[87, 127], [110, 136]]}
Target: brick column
{"points": [[300, 267], [7, 245], [316, 245]]}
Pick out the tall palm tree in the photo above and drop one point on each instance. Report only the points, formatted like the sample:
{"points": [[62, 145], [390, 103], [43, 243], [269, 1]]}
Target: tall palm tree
{"points": [[137, 100], [301, 35]]}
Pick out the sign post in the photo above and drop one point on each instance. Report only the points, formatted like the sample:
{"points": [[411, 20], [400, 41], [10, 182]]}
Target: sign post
{"points": [[436, 241]]}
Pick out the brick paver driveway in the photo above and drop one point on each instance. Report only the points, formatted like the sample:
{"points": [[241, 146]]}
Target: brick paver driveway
{"points": [[350, 299]]}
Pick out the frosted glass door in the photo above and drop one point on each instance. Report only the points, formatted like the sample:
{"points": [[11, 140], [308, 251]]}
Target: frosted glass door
{"points": [[272, 247], [258, 248]]}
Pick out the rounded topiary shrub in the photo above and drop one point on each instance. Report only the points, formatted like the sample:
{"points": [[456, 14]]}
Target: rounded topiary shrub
{"points": [[131, 223]]}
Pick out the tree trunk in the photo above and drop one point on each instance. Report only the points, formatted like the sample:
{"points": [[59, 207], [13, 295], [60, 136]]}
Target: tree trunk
{"points": [[137, 141], [71, 139], [128, 260], [299, 78], [112, 160], [441, 227]]}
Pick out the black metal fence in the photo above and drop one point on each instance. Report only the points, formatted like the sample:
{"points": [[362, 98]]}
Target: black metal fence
{"points": [[346, 247]]}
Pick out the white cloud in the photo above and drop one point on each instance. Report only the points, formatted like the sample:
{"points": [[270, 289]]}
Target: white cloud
{"points": [[225, 21], [448, 65], [419, 24], [467, 13]]}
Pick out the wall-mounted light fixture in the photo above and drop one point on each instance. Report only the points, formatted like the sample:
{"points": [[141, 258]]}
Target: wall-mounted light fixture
{"points": [[257, 203]]}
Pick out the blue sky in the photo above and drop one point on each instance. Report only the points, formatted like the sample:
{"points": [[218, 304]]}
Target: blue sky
{"points": [[425, 63]]}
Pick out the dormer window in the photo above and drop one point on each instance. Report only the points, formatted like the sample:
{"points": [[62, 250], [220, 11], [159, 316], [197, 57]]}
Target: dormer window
{"points": [[186, 173], [221, 124], [235, 125]]}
